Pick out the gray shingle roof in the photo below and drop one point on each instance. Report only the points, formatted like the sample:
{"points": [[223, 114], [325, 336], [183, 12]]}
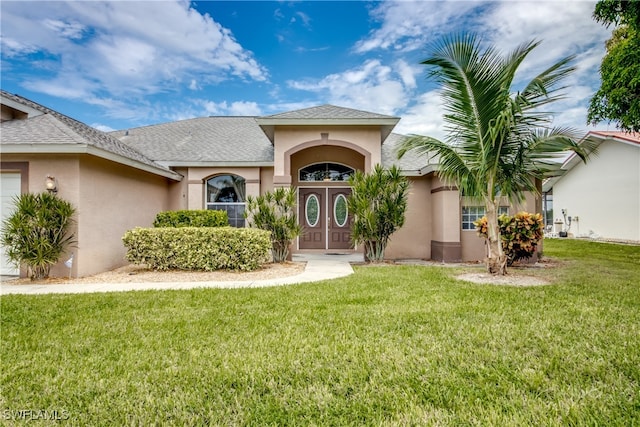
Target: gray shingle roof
{"points": [[55, 129], [231, 140], [206, 140], [325, 112], [411, 163]]}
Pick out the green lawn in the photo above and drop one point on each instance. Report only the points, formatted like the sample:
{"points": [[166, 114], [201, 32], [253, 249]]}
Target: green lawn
{"points": [[400, 345]]}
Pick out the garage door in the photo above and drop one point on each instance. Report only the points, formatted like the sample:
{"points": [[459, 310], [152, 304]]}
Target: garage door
{"points": [[9, 189]]}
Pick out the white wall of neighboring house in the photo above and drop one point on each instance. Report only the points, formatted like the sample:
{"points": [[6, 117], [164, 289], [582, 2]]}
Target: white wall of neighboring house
{"points": [[604, 193]]}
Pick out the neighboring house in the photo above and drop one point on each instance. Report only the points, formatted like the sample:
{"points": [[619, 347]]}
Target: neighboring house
{"points": [[602, 197], [122, 179]]}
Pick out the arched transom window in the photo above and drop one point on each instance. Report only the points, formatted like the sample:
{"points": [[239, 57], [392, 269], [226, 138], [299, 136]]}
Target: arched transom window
{"points": [[228, 193], [325, 172]]}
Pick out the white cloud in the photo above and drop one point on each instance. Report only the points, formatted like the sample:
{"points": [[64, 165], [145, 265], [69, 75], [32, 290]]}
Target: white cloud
{"points": [[244, 108], [72, 30], [563, 27], [424, 117], [211, 108], [410, 25], [371, 86], [125, 47], [102, 127]]}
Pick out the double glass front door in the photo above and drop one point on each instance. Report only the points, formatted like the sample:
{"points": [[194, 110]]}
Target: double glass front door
{"points": [[325, 218]]}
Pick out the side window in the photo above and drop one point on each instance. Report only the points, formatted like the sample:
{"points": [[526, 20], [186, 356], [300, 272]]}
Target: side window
{"points": [[471, 214], [228, 193]]}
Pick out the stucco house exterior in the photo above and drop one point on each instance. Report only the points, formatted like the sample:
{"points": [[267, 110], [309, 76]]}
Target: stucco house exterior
{"points": [[602, 197], [121, 180]]}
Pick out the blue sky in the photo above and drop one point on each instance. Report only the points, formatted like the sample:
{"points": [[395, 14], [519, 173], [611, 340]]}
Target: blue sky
{"points": [[124, 64]]}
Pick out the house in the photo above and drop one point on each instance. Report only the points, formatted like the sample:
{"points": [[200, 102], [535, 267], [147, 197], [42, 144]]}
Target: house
{"points": [[601, 198], [123, 179]]}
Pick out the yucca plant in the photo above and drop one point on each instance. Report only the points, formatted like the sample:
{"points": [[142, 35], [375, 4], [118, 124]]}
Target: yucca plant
{"points": [[275, 212], [37, 233], [378, 203]]}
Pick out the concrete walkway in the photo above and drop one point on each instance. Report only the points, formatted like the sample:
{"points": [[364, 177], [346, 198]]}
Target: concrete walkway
{"points": [[319, 267]]}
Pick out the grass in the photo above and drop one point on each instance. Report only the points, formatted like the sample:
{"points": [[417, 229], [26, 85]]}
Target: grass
{"points": [[402, 345]]}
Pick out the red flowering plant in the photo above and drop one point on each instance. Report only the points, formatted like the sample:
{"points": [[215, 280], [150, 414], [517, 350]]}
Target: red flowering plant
{"points": [[520, 234]]}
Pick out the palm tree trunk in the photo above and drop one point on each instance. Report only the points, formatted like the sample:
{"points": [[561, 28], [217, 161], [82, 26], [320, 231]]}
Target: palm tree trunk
{"points": [[496, 259]]}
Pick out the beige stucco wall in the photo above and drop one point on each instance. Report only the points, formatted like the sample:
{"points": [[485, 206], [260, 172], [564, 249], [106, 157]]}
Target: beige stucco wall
{"points": [[365, 140], [604, 193], [109, 199], [266, 179], [113, 199], [413, 240], [178, 191]]}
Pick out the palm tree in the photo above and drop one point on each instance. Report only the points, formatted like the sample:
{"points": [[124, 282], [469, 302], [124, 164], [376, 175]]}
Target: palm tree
{"points": [[499, 141]]}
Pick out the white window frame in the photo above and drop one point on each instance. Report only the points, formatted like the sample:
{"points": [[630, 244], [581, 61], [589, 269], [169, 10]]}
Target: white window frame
{"points": [[468, 218], [236, 221]]}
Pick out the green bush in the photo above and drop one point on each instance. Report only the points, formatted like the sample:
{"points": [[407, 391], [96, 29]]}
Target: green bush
{"points": [[520, 234], [378, 204], [191, 218], [276, 212], [198, 248], [36, 234]]}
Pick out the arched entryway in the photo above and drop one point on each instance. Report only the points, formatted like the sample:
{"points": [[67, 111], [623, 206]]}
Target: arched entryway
{"points": [[321, 172]]}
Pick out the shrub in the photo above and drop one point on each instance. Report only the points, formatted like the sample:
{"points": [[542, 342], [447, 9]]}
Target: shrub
{"points": [[36, 234], [520, 234], [275, 212], [198, 248], [191, 218], [378, 203]]}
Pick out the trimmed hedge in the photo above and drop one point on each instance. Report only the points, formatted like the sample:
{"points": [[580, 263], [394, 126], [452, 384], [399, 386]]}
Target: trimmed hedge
{"points": [[198, 248], [192, 218]]}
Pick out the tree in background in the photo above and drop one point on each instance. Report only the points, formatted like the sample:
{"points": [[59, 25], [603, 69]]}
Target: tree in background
{"points": [[499, 140], [618, 98], [36, 234], [378, 203]]}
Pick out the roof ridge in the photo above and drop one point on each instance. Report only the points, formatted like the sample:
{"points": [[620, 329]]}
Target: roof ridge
{"points": [[633, 137], [328, 111], [91, 135]]}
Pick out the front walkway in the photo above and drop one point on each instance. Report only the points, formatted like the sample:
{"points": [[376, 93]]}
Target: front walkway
{"points": [[319, 267]]}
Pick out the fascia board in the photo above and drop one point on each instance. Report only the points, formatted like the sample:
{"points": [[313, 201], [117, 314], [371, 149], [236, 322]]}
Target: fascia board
{"points": [[31, 112], [213, 164], [86, 149]]}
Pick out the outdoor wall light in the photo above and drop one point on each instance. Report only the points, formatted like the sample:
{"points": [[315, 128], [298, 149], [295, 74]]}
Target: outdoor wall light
{"points": [[51, 184]]}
